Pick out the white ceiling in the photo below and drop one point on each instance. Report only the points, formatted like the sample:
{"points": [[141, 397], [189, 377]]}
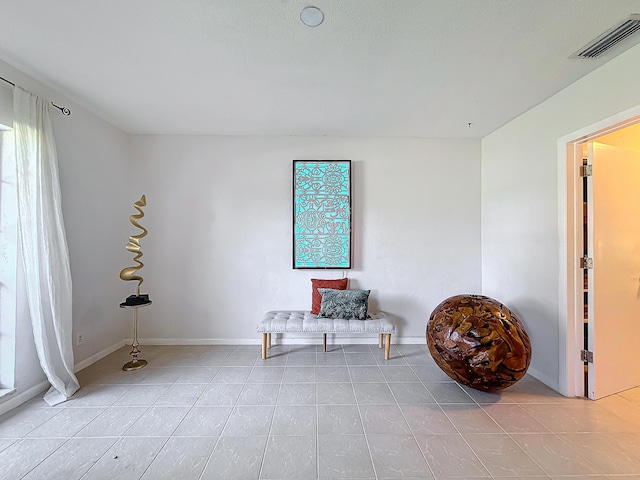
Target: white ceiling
{"points": [[401, 68]]}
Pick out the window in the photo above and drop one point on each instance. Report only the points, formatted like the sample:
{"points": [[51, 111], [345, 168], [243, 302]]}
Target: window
{"points": [[8, 244]]}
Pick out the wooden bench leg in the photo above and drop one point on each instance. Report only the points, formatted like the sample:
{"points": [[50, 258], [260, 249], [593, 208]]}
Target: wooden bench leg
{"points": [[380, 341], [268, 340], [264, 346], [324, 341], [387, 346]]}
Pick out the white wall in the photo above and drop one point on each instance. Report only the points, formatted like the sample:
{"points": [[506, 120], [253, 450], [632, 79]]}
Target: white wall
{"points": [[95, 177], [520, 203], [218, 253]]}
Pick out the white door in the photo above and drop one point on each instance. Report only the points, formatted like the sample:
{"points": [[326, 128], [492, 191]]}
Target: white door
{"points": [[614, 281]]}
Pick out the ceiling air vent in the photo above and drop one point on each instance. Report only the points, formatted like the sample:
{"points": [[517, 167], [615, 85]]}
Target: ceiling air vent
{"points": [[611, 37]]}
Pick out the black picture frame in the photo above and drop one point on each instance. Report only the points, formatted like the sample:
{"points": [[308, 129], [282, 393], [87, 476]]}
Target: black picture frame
{"points": [[322, 224]]}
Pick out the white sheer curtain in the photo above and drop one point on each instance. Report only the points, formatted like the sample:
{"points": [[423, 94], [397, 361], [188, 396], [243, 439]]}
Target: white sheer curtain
{"points": [[43, 243]]}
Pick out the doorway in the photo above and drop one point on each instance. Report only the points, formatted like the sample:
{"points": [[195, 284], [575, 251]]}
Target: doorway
{"points": [[596, 362]]}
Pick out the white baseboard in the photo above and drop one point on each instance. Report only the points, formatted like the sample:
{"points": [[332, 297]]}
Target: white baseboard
{"points": [[12, 400], [195, 341], [548, 381], [279, 339], [409, 340], [103, 353], [339, 339], [15, 400]]}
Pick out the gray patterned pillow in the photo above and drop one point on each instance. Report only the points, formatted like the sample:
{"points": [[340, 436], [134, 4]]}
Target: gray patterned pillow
{"points": [[347, 304]]}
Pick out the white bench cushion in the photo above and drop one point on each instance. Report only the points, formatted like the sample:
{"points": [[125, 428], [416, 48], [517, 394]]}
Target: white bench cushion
{"points": [[299, 321]]}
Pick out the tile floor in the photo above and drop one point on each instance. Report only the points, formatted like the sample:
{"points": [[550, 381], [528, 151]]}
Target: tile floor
{"points": [[220, 412]]}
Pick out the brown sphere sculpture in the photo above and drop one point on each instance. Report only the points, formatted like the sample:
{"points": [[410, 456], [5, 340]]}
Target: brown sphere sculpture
{"points": [[478, 342]]}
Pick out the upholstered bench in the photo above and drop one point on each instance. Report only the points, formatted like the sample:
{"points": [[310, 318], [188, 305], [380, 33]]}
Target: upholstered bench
{"points": [[298, 321]]}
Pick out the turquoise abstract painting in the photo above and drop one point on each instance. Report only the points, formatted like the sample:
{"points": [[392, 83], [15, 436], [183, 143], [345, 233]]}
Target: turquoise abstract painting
{"points": [[322, 214]]}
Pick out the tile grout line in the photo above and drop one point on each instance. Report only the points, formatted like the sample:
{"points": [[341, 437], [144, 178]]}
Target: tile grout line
{"points": [[364, 431], [413, 435], [208, 461], [154, 404], [233, 408], [273, 413], [530, 399], [475, 454]]}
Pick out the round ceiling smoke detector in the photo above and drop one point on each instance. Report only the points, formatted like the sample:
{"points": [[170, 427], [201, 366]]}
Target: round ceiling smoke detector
{"points": [[311, 16]]}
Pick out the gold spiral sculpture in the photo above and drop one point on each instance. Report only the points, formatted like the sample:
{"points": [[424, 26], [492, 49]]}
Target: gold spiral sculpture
{"points": [[129, 273]]}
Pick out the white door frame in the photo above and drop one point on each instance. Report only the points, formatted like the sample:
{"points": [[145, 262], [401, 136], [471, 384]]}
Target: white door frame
{"points": [[570, 231]]}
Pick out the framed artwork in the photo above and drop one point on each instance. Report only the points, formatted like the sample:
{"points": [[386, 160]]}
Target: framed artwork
{"points": [[322, 214]]}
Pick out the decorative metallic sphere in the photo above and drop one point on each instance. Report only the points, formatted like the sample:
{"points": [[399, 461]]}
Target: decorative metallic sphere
{"points": [[478, 342]]}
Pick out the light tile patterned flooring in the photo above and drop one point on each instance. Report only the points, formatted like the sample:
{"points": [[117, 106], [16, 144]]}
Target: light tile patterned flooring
{"points": [[220, 412]]}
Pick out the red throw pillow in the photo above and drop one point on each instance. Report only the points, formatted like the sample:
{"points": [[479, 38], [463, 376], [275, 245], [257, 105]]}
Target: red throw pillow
{"points": [[316, 298]]}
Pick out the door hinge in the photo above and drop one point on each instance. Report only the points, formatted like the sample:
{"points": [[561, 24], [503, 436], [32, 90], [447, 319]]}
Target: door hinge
{"points": [[586, 356], [586, 170], [586, 263]]}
